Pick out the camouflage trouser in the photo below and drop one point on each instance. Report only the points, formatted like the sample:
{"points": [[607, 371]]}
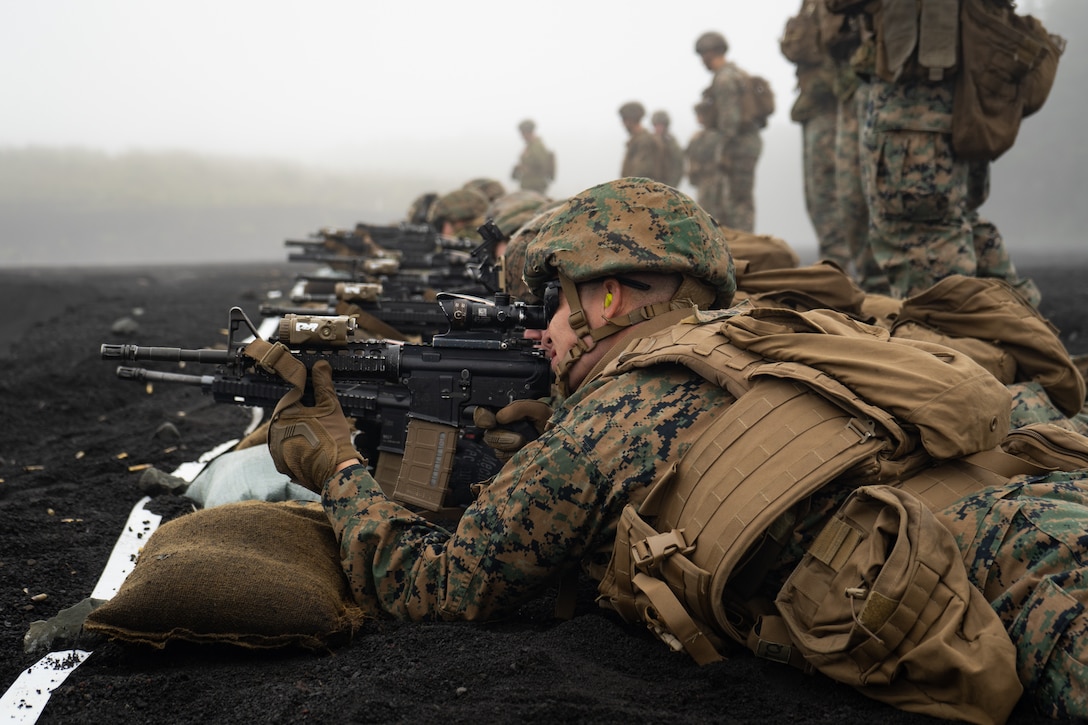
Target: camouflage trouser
{"points": [[821, 201], [917, 198], [990, 254], [1026, 549], [710, 193], [740, 158], [1031, 404], [854, 213], [915, 187]]}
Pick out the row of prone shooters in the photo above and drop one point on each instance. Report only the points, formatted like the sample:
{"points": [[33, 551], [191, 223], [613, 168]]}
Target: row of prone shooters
{"points": [[412, 401]]}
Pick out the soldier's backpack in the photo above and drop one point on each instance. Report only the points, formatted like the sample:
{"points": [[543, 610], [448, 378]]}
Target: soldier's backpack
{"points": [[800, 41], [1009, 65], [818, 400], [757, 102]]}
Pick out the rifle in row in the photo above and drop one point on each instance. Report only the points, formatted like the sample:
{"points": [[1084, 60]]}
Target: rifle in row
{"points": [[412, 403], [474, 273]]}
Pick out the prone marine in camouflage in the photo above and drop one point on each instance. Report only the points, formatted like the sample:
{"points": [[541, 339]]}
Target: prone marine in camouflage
{"points": [[459, 213], [556, 503]]}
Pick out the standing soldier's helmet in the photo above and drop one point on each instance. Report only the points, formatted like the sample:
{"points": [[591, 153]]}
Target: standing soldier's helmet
{"points": [[527, 126], [632, 111], [660, 118], [711, 42]]}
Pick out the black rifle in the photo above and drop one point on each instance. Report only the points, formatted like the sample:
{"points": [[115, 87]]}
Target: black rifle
{"points": [[452, 270], [412, 402], [395, 318]]}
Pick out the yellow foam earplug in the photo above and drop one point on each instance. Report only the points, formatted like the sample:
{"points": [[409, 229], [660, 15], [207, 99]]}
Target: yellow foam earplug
{"points": [[607, 299]]}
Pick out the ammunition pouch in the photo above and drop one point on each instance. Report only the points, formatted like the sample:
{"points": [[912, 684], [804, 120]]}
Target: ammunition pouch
{"points": [[1009, 66]]}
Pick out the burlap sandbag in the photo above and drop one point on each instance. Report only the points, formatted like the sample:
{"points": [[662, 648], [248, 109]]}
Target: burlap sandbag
{"points": [[254, 574], [881, 601]]}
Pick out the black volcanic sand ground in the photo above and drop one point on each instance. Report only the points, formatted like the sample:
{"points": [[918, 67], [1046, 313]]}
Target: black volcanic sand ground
{"points": [[65, 496]]}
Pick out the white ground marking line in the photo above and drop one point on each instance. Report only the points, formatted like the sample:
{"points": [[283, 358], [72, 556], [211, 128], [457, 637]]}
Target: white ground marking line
{"points": [[26, 698]]}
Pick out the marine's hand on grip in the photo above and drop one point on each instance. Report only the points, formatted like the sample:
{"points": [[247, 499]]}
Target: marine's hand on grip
{"points": [[307, 443], [511, 427]]}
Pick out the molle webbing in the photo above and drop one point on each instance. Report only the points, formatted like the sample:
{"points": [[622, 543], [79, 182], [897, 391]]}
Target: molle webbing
{"points": [[770, 449]]}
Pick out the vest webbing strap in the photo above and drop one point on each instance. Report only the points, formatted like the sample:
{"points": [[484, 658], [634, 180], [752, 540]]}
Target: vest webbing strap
{"points": [[769, 450]]}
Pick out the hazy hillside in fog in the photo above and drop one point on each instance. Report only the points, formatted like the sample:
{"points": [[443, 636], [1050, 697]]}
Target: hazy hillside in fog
{"points": [[79, 206]]}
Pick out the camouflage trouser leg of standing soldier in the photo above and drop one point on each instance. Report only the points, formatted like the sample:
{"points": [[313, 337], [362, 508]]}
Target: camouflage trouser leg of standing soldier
{"points": [[990, 253], [1031, 404], [1025, 547], [916, 189], [853, 211], [741, 157], [711, 196], [818, 139]]}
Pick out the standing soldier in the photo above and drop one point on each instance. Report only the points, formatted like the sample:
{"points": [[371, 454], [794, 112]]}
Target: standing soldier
{"points": [[741, 143], [645, 154], [674, 155], [536, 165], [816, 110], [703, 154], [917, 188]]}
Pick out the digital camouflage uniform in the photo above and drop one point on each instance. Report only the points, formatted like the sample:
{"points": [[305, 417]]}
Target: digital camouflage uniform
{"points": [[1025, 547], [741, 147], [672, 160], [815, 108], [535, 168], [849, 187], [556, 503], [644, 156], [921, 207], [702, 155]]}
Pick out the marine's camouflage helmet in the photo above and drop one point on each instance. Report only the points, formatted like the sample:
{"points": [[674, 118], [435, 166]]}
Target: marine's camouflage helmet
{"points": [[632, 110], [513, 258], [418, 212], [459, 205], [660, 118], [527, 126], [631, 225], [512, 210], [711, 42], [490, 188]]}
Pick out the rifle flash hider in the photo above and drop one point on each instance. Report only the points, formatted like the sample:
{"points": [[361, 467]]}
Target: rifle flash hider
{"points": [[301, 330]]}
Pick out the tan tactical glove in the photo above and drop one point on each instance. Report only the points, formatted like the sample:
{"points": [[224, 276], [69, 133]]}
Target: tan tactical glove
{"points": [[306, 443], [512, 426]]}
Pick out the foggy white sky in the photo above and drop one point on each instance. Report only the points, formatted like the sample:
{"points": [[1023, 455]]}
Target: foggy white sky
{"points": [[380, 85], [430, 89]]}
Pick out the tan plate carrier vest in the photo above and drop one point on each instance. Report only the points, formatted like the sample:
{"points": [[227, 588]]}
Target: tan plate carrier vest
{"points": [[719, 512]]}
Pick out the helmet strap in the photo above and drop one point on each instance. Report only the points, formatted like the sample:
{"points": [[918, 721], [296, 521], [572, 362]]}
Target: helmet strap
{"points": [[582, 330]]}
